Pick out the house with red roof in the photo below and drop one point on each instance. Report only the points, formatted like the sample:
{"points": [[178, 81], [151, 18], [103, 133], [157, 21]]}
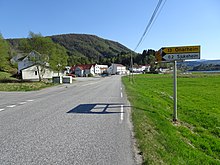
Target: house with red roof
{"points": [[83, 70]]}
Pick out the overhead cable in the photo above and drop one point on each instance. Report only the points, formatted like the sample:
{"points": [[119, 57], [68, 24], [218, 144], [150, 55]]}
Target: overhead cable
{"points": [[149, 23], [155, 19]]}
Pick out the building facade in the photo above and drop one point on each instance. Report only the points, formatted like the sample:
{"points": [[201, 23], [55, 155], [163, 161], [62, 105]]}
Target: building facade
{"points": [[117, 69]]}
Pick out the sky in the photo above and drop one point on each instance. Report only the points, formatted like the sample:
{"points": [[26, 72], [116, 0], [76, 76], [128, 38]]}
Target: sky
{"points": [[179, 23]]}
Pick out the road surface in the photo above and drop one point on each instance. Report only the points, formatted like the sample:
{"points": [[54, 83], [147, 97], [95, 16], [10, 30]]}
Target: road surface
{"points": [[86, 123]]}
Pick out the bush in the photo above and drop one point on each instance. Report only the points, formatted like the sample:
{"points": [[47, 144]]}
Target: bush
{"points": [[90, 75]]}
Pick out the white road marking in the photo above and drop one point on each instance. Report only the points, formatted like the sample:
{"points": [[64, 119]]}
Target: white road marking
{"points": [[21, 103], [122, 113], [121, 88], [121, 94], [11, 106]]}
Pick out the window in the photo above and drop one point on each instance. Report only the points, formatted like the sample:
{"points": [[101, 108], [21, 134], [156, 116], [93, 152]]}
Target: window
{"points": [[35, 72]]}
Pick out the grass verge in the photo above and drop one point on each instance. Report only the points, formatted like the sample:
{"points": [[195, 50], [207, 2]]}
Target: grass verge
{"points": [[195, 139], [8, 83], [24, 86]]}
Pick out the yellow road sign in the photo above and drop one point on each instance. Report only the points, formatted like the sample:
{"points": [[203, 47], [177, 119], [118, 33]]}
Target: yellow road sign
{"points": [[178, 53], [181, 49]]}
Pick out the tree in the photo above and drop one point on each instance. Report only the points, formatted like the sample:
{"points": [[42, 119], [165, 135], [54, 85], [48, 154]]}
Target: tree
{"points": [[58, 58], [4, 54], [150, 59], [46, 52], [144, 57], [72, 60], [41, 62]]}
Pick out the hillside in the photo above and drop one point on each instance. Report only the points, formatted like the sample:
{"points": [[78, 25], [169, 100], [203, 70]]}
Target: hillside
{"points": [[200, 65], [85, 45], [89, 45]]}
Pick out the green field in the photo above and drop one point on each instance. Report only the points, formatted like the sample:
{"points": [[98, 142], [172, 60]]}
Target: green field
{"points": [[195, 139], [8, 83]]}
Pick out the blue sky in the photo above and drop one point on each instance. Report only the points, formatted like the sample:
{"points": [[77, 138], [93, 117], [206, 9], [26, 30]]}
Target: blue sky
{"points": [[180, 22]]}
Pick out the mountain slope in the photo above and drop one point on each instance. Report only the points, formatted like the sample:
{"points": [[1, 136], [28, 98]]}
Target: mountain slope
{"points": [[89, 45], [86, 45], [200, 65]]}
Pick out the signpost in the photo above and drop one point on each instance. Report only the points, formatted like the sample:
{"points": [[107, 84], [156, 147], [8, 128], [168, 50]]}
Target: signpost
{"points": [[174, 54], [178, 53]]}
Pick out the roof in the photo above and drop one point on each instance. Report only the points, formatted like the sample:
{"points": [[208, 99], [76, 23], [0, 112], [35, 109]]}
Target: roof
{"points": [[141, 66], [32, 66], [28, 67], [120, 65], [32, 53], [21, 58], [82, 66]]}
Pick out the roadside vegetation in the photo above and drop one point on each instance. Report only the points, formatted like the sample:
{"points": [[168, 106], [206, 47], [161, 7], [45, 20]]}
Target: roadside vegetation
{"points": [[195, 138], [8, 83]]}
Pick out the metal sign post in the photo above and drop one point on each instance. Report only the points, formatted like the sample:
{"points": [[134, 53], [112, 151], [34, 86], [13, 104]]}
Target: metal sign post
{"points": [[174, 54], [174, 92]]}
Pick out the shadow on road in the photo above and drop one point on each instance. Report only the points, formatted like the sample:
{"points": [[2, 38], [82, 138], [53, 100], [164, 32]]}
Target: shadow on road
{"points": [[98, 108], [104, 108]]}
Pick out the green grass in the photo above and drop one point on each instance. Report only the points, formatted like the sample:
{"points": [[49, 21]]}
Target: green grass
{"points": [[5, 75], [195, 139], [26, 86], [8, 83]]}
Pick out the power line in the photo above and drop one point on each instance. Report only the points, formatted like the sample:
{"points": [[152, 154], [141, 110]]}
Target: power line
{"points": [[149, 23], [154, 19]]}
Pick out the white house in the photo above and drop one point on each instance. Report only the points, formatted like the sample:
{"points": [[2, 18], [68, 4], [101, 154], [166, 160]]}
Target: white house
{"points": [[99, 69], [146, 68], [83, 70], [31, 73], [25, 62], [67, 69], [141, 68], [117, 69], [28, 69], [165, 70]]}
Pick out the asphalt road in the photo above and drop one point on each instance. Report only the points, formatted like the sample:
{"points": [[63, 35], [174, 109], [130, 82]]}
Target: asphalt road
{"points": [[85, 123]]}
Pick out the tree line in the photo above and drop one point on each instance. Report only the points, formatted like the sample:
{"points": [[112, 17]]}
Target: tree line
{"points": [[4, 55], [47, 51], [58, 56]]}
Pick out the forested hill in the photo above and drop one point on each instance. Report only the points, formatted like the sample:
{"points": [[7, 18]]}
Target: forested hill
{"points": [[83, 48], [90, 46]]}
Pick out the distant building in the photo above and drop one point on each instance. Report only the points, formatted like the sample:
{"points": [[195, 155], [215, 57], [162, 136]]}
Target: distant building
{"points": [[117, 69], [83, 70], [99, 69], [67, 69], [140, 68]]}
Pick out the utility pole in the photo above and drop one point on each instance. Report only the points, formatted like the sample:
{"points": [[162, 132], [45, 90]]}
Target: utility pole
{"points": [[131, 78]]}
